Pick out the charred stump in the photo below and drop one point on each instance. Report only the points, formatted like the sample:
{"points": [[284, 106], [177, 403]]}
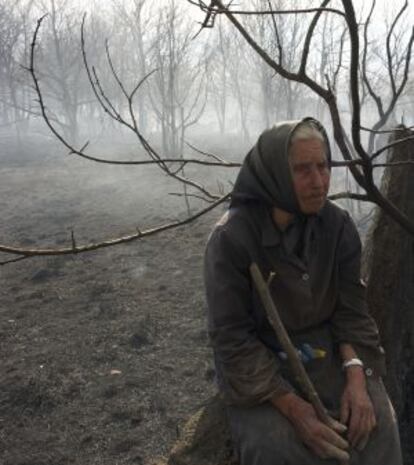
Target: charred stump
{"points": [[389, 262], [205, 438]]}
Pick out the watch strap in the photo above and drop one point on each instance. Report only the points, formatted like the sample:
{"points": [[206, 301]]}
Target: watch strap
{"points": [[352, 362]]}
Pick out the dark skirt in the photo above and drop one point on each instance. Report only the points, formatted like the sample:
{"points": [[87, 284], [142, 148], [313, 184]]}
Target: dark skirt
{"points": [[263, 436]]}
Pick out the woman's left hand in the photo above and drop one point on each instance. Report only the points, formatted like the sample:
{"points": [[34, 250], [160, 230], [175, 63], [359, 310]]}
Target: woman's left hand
{"points": [[357, 410]]}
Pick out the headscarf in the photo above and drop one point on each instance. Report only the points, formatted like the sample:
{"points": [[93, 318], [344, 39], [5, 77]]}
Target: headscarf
{"points": [[265, 175]]}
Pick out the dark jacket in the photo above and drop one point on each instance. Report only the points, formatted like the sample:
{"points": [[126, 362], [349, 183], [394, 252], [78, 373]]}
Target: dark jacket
{"points": [[320, 298], [317, 288]]}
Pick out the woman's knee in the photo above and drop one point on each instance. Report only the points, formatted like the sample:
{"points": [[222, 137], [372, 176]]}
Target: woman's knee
{"points": [[263, 436]]}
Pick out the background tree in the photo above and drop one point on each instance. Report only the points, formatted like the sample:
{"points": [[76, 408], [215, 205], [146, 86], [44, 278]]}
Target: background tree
{"points": [[179, 95], [133, 27], [15, 105], [219, 80]]}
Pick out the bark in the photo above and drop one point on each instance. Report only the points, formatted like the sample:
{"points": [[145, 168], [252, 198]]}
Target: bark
{"points": [[389, 265]]}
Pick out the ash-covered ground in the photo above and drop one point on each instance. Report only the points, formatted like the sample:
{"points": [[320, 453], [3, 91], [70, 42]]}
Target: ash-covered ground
{"points": [[105, 354]]}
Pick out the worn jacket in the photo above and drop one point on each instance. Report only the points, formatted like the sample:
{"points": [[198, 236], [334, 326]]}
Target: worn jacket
{"points": [[318, 294]]}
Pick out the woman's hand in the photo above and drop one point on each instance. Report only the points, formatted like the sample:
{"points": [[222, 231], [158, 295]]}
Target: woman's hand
{"points": [[357, 410], [323, 440]]}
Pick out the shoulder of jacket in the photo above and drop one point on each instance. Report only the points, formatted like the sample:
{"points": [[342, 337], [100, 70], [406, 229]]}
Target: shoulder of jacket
{"points": [[334, 213], [238, 220], [237, 225]]}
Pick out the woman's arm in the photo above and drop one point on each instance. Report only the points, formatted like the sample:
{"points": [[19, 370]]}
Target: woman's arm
{"points": [[249, 371]]}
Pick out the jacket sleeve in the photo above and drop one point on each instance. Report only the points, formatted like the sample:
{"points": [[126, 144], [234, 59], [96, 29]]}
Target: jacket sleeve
{"points": [[351, 321], [246, 368]]}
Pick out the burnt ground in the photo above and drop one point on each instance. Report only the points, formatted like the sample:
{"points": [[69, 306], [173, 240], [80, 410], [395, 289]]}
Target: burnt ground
{"points": [[104, 355]]}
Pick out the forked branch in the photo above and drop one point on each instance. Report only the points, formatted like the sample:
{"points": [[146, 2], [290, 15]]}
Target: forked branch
{"points": [[109, 108], [365, 177]]}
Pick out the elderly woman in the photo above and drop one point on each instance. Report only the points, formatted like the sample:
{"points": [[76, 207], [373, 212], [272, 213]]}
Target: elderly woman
{"points": [[280, 218]]}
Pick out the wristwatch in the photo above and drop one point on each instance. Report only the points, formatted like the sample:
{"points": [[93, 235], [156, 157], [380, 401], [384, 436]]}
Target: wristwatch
{"points": [[352, 362]]}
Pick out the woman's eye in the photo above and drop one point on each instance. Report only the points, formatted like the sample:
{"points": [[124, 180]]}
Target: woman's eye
{"points": [[304, 170]]}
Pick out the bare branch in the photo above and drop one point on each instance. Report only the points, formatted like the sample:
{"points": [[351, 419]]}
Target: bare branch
{"points": [[354, 79], [396, 91], [407, 61], [221, 161], [75, 249], [370, 187], [100, 96], [14, 260], [351, 195], [275, 28], [308, 38], [113, 71], [388, 48], [390, 145], [156, 158], [325, 94], [108, 107], [23, 109], [375, 97], [140, 83], [194, 196], [220, 9], [386, 131], [393, 164], [346, 163], [339, 66]]}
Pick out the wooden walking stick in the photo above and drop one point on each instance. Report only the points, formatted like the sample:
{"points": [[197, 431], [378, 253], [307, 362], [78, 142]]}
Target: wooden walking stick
{"points": [[298, 369]]}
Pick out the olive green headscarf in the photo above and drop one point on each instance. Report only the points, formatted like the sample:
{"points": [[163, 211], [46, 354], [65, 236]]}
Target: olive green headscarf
{"points": [[265, 174]]}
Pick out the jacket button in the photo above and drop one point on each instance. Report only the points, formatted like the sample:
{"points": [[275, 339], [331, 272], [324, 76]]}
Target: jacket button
{"points": [[369, 372], [305, 276]]}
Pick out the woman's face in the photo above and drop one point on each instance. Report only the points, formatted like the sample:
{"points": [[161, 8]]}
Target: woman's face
{"points": [[310, 173]]}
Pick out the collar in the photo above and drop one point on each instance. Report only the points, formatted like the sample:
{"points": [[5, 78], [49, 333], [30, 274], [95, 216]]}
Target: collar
{"points": [[271, 235]]}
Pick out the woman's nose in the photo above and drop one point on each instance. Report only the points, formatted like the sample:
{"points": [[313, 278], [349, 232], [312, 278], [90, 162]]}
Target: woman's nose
{"points": [[317, 179]]}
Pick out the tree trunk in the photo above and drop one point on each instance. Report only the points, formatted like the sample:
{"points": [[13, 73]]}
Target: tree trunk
{"points": [[389, 263]]}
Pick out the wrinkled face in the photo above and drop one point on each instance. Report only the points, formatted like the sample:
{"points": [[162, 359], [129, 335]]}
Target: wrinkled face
{"points": [[310, 174]]}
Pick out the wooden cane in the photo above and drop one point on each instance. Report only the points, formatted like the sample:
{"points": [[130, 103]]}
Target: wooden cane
{"points": [[298, 369]]}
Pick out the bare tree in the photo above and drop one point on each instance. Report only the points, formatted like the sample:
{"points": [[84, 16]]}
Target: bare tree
{"points": [[281, 37], [218, 76], [132, 25], [14, 93], [179, 96], [395, 64], [61, 65], [361, 162], [240, 71]]}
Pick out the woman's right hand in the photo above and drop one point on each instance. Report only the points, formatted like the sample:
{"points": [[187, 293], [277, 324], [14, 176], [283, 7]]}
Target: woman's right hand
{"points": [[326, 442]]}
